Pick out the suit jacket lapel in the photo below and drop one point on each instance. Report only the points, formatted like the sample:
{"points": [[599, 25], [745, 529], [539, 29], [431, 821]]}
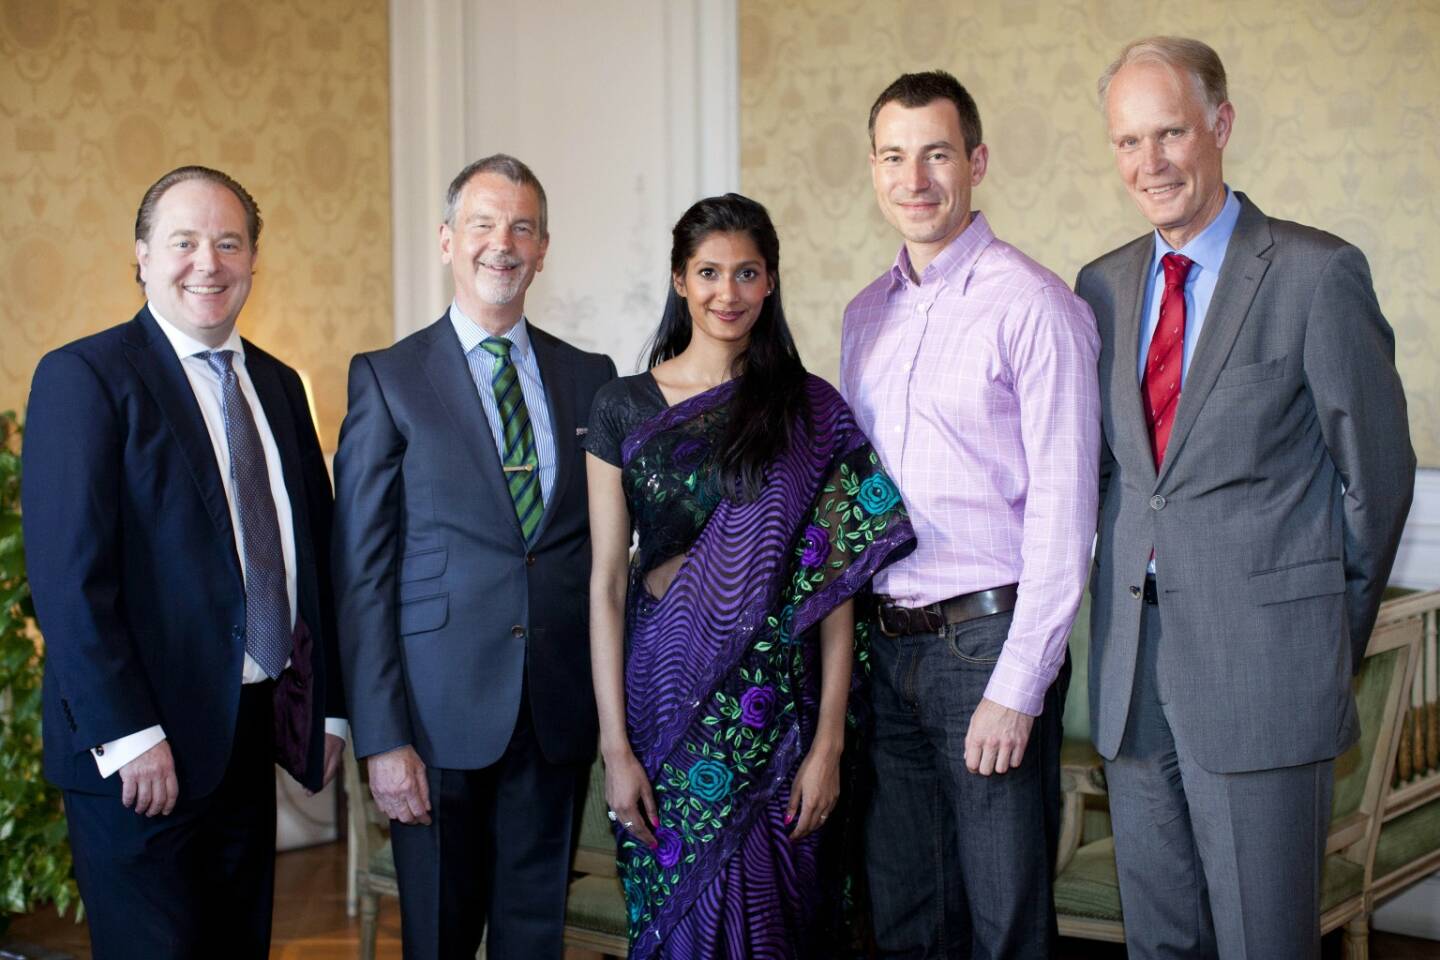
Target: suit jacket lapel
{"points": [[1129, 418], [554, 374], [1240, 275], [450, 377], [159, 369]]}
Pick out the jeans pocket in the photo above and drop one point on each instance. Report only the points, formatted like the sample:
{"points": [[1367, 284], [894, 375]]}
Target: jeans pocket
{"points": [[978, 641]]}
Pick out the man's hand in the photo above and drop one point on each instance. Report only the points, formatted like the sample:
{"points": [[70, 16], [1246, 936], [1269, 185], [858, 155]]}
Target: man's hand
{"points": [[334, 753], [398, 784], [996, 739], [149, 783]]}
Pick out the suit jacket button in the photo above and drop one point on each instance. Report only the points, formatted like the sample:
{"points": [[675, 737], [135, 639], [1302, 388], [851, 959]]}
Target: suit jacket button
{"points": [[529, 559], [517, 631], [100, 751], [1157, 502], [1136, 592]]}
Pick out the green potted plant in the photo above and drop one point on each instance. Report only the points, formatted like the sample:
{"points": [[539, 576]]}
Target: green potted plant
{"points": [[35, 863]]}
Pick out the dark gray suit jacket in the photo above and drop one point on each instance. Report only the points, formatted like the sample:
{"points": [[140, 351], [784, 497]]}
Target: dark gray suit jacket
{"points": [[443, 610], [1277, 512]]}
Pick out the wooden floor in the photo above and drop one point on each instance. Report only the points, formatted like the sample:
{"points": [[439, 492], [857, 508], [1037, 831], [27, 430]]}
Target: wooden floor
{"points": [[310, 922]]}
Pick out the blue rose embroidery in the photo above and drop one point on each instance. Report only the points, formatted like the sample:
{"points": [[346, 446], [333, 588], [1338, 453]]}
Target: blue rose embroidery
{"points": [[786, 624], [877, 494], [710, 780]]}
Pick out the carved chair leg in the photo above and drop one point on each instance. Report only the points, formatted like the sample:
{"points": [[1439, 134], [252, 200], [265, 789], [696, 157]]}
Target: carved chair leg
{"points": [[1357, 939], [369, 922]]}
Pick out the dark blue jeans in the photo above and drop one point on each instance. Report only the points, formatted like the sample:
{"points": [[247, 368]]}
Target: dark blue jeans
{"points": [[959, 865]]}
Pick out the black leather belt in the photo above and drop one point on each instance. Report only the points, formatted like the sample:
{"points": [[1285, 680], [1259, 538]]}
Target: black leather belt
{"points": [[897, 621], [1152, 596]]}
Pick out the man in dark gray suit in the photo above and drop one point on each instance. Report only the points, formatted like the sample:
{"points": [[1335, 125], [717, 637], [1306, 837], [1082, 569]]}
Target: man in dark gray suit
{"points": [[462, 562], [1255, 478]]}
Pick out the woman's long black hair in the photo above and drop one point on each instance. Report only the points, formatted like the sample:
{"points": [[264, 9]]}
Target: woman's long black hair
{"points": [[769, 409]]}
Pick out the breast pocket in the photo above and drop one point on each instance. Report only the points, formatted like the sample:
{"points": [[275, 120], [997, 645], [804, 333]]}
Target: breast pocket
{"points": [[1251, 373]]}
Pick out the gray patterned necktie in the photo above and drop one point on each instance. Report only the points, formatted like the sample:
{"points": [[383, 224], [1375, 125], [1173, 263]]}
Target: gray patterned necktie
{"points": [[267, 601]]}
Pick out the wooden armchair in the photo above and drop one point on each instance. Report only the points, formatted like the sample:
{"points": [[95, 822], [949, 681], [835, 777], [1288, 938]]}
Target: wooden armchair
{"points": [[1087, 891], [1409, 845]]}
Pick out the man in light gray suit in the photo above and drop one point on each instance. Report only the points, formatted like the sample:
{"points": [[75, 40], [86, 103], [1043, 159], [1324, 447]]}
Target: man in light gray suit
{"points": [[1255, 477]]}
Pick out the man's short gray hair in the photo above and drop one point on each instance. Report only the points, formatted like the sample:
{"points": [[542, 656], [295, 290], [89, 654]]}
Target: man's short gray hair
{"points": [[509, 168], [1193, 58]]}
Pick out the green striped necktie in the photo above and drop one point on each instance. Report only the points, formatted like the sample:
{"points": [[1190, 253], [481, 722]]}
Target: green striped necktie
{"points": [[521, 460]]}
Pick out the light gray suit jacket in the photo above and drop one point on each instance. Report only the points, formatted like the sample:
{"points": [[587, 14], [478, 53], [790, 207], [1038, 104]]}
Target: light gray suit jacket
{"points": [[1277, 512]]}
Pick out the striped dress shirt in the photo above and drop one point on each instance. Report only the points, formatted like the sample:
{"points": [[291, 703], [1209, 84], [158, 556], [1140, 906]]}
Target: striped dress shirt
{"points": [[482, 370], [978, 387]]}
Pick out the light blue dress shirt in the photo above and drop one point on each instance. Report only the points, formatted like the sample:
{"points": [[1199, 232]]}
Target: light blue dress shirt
{"points": [[482, 369], [1207, 249]]}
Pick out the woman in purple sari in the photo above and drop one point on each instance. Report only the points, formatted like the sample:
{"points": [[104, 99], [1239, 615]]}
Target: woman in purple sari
{"points": [[723, 652]]}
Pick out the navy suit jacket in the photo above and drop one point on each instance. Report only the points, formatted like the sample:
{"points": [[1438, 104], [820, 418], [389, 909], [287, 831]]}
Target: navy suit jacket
{"points": [[133, 562], [444, 610]]}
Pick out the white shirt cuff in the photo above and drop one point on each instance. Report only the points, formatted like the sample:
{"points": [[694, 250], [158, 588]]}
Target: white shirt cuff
{"points": [[111, 756], [338, 727]]}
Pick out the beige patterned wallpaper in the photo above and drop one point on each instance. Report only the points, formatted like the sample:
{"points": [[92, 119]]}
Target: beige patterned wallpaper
{"points": [[98, 98], [1336, 126]]}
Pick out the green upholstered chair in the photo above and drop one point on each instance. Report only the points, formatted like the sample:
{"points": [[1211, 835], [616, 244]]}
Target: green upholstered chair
{"points": [[595, 910], [1087, 893], [1409, 845]]}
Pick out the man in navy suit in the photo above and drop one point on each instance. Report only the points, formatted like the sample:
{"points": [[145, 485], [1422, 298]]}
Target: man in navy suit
{"points": [[177, 523], [462, 564]]}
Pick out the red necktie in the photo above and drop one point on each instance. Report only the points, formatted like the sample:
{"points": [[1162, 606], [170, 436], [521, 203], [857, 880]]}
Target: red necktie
{"points": [[1161, 387]]}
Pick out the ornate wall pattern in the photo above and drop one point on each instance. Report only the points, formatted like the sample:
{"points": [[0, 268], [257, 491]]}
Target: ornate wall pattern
{"points": [[1336, 126], [99, 98]]}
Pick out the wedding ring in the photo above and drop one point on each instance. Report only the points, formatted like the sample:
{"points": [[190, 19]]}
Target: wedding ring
{"points": [[611, 815]]}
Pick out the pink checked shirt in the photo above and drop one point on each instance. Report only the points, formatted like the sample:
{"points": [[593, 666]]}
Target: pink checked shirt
{"points": [[978, 388]]}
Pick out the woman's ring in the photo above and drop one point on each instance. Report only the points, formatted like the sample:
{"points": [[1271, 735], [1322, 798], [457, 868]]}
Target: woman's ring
{"points": [[628, 824], [611, 815]]}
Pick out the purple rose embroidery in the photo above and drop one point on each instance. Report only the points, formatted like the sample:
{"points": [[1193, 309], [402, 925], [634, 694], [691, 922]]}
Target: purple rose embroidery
{"points": [[667, 847], [816, 546], [688, 453], [755, 706]]}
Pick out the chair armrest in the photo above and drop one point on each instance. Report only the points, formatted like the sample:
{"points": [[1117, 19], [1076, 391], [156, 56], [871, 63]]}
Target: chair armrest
{"points": [[1082, 771]]}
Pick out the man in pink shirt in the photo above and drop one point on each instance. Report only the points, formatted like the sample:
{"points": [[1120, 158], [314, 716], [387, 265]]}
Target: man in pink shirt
{"points": [[973, 369]]}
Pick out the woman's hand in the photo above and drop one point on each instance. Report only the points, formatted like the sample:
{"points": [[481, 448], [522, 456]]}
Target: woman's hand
{"points": [[816, 789], [630, 798]]}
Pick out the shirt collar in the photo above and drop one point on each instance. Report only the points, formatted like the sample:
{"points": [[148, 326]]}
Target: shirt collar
{"points": [[187, 346], [1206, 248], [955, 261], [471, 333]]}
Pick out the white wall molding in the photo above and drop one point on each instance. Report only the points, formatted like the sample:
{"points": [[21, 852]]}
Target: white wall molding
{"points": [[1418, 563], [628, 113]]}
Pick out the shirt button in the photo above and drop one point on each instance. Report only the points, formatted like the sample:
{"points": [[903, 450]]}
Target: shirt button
{"points": [[1136, 592], [518, 632], [1157, 502]]}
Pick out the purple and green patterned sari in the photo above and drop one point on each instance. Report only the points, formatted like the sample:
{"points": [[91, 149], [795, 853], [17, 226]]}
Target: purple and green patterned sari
{"points": [[722, 673]]}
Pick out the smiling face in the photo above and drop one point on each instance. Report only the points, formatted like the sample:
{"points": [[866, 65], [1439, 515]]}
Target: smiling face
{"points": [[1167, 151], [922, 175], [494, 249], [725, 284], [197, 262]]}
